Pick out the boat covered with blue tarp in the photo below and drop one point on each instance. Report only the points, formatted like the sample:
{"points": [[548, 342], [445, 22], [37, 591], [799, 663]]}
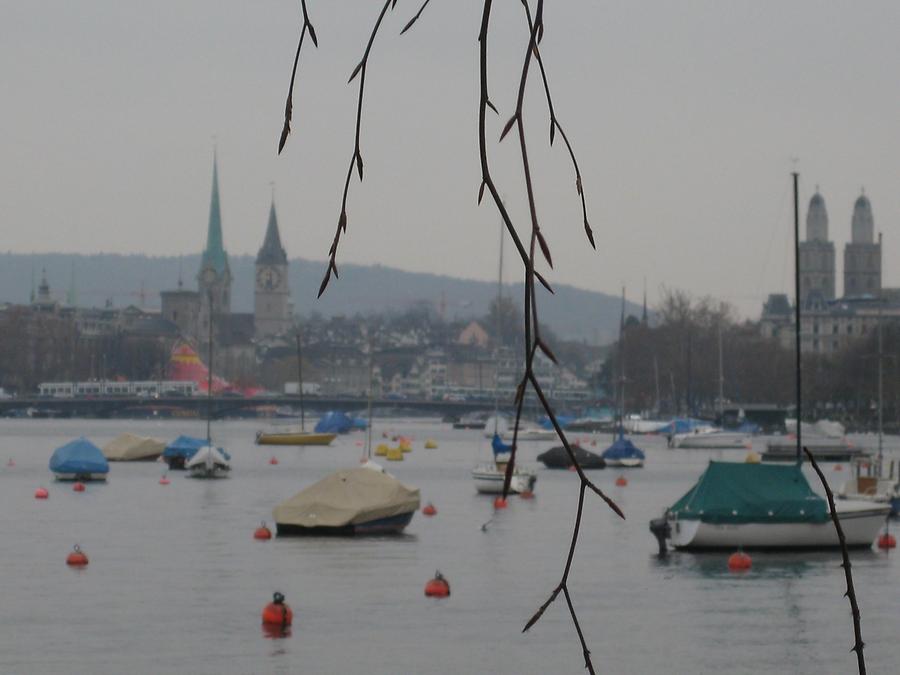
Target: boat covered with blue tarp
{"points": [[623, 453], [79, 459], [498, 446], [179, 451], [334, 422]]}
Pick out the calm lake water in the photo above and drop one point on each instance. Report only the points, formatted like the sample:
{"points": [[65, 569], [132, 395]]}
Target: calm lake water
{"points": [[176, 582]]}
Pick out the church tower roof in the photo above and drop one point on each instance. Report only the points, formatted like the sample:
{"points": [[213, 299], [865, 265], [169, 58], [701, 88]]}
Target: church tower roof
{"points": [[214, 254], [817, 219], [862, 227], [272, 252]]}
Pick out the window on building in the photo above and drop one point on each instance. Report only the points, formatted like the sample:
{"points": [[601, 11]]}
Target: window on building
{"points": [[849, 329], [834, 329]]}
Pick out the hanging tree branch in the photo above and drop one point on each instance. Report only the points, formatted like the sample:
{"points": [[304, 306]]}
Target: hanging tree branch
{"points": [[289, 105], [533, 340], [356, 158], [850, 593]]}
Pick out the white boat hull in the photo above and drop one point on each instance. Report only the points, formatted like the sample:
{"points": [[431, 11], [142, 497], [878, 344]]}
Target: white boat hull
{"points": [[208, 462], [624, 463], [861, 522], [489, 480], [710, 440]]}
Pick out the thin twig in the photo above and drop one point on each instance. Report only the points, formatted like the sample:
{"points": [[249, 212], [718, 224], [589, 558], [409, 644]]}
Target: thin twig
{"points": [[848, 575], [356, 158], [289, 105]]}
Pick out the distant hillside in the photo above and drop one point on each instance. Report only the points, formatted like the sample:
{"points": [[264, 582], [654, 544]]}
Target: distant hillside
{"points": [[574, 313]]}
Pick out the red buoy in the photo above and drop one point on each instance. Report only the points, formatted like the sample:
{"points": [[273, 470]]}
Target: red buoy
{"points": [[621, 481], [78, 487], [41, 493], [273, 461], [429, 510], [886, 541], [277, 612], [437, 587], [739, 562], [77, 557], [164, 480], [500, 503], [262, 532]]}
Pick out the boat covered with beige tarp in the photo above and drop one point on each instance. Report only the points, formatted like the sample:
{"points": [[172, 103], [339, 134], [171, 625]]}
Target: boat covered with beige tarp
{"points": [[132, 448], [347, 502]]}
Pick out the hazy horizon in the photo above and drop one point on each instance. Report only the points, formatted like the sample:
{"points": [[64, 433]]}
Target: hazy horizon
{"points": [[685, 119]]}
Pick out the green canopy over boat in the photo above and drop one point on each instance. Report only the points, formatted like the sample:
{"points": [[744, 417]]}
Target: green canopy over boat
{"points": [[730, 492]]}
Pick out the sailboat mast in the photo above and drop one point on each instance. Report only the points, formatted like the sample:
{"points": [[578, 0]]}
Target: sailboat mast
{"points": [[721, 405], [878, 466], [622, 366], [799, 364], [369, 411], [300, 384], [209, 373], [499, 329]]}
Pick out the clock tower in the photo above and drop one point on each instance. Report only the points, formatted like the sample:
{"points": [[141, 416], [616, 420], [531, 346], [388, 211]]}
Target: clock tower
{"points": [[271, 300]]}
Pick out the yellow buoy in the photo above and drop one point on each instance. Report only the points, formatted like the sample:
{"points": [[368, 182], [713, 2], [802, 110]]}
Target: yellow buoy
{"points": [[394, 455], [431, 444], [381, 450]]}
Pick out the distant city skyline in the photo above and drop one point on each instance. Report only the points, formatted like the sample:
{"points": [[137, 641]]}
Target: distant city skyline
{"points": [[685, 120]]}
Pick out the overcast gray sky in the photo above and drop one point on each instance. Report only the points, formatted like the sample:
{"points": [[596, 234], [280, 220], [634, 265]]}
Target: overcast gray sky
{"points": [[685, 117]]}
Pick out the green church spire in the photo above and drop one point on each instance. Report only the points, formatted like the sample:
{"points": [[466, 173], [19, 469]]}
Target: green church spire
{"points": [[214, 255]]}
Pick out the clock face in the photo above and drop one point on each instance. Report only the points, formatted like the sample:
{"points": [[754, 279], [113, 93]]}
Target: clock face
{"points": [[268, 278]]}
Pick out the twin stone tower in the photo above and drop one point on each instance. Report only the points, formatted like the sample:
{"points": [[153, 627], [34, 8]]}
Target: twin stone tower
{"points": [[192, 311], [862, 255]]}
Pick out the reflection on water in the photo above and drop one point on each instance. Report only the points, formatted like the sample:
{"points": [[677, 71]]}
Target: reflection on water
{"points": [[176, 581]]}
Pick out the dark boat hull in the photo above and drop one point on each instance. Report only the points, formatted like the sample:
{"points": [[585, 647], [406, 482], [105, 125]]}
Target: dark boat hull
{"points": [[381, 526], [558, 458]]}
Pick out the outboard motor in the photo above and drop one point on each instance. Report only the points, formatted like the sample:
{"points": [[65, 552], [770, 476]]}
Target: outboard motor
{"points": [[661, 530]]}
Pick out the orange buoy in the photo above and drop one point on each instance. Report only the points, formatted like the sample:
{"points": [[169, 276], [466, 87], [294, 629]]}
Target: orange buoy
{"points": [[838, 467], [277, 612], [500, 503], [273, 461], [78, 487], [621, 481], [739, 562], [262, 532], [437, 587], [77, 557], [41, 493], [429, 510], [164, 480], [886, 541], [526, 494]]}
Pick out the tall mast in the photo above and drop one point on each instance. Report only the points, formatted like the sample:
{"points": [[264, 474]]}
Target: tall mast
{"points": [[878, 465], [300, 383], [656, 380], [369, 425], [799, 364], [499, 329], [721, 402], [209, 370], [622, 366]]}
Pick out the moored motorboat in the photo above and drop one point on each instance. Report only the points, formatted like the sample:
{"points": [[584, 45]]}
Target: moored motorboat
{"points": [[762, 506], [294, 438], [623, 453], [531, 434], [131, 448], [209, 462], [558, 458], [873, 489], [489, 477], [79, 460], [710, 439], [349, 502], [179, 451]]}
